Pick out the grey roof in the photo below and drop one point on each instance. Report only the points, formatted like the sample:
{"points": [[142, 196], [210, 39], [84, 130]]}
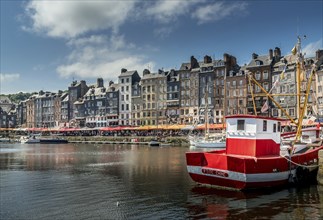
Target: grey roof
{"points": [[79, 102], [153, 76], [206, 64], [185, 66], [264, 59], [128, 73], [96, 91], [5, 99], [66, 99], [115, 86]]}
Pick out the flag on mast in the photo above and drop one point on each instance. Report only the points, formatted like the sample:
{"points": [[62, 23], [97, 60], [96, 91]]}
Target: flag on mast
{"points": [[265, 107], [282, 75], [294, 50]]}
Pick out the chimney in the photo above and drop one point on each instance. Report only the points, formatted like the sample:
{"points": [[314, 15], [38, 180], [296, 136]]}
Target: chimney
{"points": [[254, 56], [111, 82], [271, 54], [319, 55], [225, 57], [99, 82], [207, 59], [145, 72], [277, 53], [194, 63]]}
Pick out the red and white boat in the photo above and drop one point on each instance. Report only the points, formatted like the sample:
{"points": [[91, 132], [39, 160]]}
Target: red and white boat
{"points": [[254, 156], [257, 154]]}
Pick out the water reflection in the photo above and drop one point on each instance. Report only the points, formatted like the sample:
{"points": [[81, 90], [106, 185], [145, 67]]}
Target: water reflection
{"points": [[292, 203], [88, 181]]}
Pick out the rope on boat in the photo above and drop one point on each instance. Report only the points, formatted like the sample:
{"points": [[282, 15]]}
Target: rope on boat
{"points": [[300, 165]]}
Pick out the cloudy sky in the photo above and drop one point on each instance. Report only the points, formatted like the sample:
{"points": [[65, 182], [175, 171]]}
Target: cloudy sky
{"points": [[45, 45]]}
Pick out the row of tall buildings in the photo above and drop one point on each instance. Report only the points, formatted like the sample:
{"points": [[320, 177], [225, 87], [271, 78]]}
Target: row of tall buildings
{"points": [[217, 87]]}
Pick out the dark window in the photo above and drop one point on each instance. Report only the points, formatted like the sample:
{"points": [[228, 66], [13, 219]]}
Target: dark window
{"points": [[240, 125], [274, 128], [264, 125], [279, 127]]}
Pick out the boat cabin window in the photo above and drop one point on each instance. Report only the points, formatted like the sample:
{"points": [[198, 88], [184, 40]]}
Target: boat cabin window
{"points": [[240, 125], [279, 127], [274, 128], [264, 127]]}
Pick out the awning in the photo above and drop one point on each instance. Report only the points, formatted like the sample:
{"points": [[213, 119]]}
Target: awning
{"points": [[188, 127], [147, 127], [34, 129], [68, 129], [211, 126], [117, 128], [174, 127]]}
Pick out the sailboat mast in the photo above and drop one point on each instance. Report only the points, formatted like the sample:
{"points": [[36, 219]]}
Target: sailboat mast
{"points": [[206, 112], [224, 97], [298, 76]]}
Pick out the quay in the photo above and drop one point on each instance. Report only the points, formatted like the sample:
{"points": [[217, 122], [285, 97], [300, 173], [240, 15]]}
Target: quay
{"points": [[108, 142]]}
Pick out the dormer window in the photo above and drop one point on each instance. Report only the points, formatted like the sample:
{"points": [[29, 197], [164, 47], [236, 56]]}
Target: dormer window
{"points": [[258, 62]]}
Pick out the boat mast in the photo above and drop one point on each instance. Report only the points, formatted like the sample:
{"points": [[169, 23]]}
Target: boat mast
{"points": [[224, 98], [298, 75], [252, 95], [206, 112]]}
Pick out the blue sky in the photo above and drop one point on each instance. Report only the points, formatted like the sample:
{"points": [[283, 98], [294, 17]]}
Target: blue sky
{"points": [[47, 44]]}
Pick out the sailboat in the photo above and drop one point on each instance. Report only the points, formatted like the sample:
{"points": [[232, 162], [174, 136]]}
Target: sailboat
{"points": [[255, 156], [208, 140]]}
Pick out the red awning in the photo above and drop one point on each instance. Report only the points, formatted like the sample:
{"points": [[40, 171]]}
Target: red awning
{"points": [[68, 129], [34, 129]]}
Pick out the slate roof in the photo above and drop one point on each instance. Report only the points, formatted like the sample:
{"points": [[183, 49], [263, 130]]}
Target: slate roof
{"points": [[128, 73], [264, 59], [153, 75], [96, 91]]}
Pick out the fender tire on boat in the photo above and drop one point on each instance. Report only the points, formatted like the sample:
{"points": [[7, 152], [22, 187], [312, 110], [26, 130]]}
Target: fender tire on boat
{"points": [[302, 176]]}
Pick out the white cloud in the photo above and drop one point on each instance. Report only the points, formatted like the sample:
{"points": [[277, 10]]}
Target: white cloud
{"points": [[168, 11], [311, 48], [218, 11], [163, 32], [72, 18], [94, 39], [102, 59], [9, 77]]}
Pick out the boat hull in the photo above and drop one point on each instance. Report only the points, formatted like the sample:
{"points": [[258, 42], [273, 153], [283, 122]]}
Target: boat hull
{"points": [[237, 172], [43, 141], [210, 144], [53, 141], [154, 143]]}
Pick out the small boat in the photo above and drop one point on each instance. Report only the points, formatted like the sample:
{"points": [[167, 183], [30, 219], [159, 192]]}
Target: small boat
{"points": [[33, 139], [154, 143], [208, 142], [3, 139]]}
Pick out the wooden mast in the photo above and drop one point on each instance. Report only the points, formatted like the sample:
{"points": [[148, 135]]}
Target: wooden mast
{"points": [[206, 112]]}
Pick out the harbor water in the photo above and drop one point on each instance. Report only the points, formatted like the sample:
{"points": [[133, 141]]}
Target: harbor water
{"points": [[82, 181]]}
